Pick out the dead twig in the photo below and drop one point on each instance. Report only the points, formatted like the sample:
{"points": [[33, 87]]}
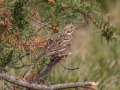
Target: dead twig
{"points": [[22, 66], [69, 68], [43, 24]]}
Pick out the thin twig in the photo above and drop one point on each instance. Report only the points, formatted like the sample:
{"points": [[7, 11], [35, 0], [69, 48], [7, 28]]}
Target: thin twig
{"points": [[43, 24], [34, 11], [20, 57], [40, 29], [21, 66], [27, 73], [86, 19], [30, 68], [69, 68], [3, 84]]}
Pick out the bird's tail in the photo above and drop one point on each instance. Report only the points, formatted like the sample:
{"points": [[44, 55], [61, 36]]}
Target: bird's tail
{"points": [[40, 57]]}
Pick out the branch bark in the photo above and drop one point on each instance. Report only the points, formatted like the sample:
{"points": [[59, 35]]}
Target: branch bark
{"points": [[89, 85], [53, 61]]}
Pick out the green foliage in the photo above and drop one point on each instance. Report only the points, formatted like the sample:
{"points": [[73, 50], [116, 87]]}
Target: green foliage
{"points": [[20, 15], [8, 56], [107, 31], [62, 12], [5, 59], [74, 11], [21, 19], [21, 25]]}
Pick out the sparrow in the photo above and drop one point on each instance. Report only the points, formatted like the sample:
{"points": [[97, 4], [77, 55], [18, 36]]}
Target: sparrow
{"points": [[58, 44]]}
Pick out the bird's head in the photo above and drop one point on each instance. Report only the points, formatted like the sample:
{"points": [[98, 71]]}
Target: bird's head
{"points": [[69, 29]]}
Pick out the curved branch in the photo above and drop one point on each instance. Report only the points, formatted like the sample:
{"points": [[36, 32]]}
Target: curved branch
{"points": [[43, 24], [22, 83], [69, 68], [89, 85]]}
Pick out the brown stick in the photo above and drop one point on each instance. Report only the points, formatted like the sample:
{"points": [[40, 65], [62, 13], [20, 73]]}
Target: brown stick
{"points": [[53, 61], [88, 85], [69, 68]]}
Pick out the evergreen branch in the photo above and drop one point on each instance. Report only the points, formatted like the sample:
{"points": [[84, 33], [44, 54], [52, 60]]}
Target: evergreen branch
{"points": [[101, 25], [96, 23], [108, 31]]}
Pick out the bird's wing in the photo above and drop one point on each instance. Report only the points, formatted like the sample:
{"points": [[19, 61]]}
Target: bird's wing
{"points": [[59, 44]]}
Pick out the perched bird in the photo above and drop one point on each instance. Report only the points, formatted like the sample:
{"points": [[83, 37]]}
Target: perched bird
{"points": [[58, 44]]}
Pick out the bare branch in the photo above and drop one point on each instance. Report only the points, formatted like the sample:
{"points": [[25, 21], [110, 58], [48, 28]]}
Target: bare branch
{"points": [[43, 24], [22, 83], [86, 19], [87, 85], [26, 54], [69, 68], [22, 66], [38, 22], [53, 61], [47, 70], [28, 72]]}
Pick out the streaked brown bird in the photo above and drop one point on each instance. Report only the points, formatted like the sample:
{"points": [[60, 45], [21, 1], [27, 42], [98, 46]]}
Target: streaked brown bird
{"points": [[58, 44]]}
